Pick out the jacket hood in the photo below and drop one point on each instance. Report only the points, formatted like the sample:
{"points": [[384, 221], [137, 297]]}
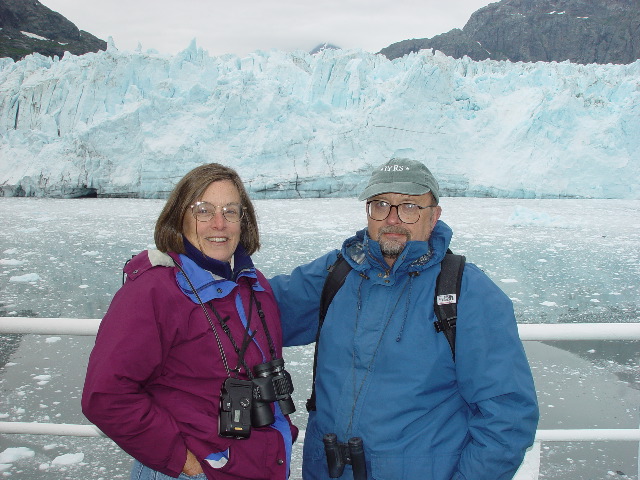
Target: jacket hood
{"points": [[362, 252], [207, 285], [194, 281], [240, 262]]}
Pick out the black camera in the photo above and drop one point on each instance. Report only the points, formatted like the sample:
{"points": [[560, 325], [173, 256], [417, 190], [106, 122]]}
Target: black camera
{"points": [[271, 383], [235, 408], [341, 454]]}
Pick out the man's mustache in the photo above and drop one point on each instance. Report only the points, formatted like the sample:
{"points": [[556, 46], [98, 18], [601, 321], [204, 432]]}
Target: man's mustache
{"points": [[394, 229]]}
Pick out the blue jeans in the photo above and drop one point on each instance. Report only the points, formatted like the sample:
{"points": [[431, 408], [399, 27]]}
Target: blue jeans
{"points": [[141, 472]]}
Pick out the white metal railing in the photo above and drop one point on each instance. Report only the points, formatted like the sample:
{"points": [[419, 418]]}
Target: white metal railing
{"points": [[528, 332], [50, 326], [537, 331]]}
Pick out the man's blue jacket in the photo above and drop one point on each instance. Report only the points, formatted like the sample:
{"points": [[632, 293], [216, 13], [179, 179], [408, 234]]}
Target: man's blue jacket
{"points": [[385, 375]]}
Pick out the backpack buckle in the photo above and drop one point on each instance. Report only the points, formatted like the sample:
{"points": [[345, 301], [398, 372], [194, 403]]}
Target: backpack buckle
{"points": [[448, 323]]}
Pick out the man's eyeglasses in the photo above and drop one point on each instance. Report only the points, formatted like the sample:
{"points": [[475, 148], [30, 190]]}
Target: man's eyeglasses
{"points": [[407, 212], [204, 211]]}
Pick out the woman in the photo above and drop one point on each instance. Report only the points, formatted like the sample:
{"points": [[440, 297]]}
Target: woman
{"points": [[172, 378]]}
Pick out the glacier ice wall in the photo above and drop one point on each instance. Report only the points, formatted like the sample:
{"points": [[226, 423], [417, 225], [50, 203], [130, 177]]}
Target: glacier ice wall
{"points": [[132, 123]]}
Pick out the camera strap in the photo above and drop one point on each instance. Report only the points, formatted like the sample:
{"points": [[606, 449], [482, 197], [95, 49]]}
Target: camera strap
{"points": [[249, 336], [272, 348], [204, 309]]}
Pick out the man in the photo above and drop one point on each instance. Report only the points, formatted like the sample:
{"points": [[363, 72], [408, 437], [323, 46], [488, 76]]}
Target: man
{"points": [[384, 374]]}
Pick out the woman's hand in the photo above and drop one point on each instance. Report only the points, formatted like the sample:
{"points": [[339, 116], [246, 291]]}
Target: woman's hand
{"points": [[192, 465]]}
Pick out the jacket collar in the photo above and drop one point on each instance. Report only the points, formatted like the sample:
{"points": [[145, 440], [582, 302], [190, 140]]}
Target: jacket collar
{"points": [[241, 261], [192, 279], [363, 252]]}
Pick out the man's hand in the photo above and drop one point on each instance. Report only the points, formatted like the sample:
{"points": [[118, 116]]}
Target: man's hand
{"points": [[191, 466]]}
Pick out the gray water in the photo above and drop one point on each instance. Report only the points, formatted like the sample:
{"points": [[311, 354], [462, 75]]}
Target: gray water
{"points": [[560, 261]]}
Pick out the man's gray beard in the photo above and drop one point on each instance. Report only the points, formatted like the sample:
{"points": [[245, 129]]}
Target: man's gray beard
{"points": [[391, 248]]}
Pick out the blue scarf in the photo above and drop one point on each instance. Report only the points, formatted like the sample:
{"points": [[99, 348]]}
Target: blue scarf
{"points": [[241, 261]]}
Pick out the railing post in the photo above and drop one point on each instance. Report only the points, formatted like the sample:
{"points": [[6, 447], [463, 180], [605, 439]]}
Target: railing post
{"points": [[530, 468]]}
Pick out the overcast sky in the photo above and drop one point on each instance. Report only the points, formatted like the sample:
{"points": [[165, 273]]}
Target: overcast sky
{"points": [[243, 26]]}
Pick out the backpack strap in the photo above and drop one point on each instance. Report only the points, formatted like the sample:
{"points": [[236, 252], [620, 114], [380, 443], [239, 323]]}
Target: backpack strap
{"points": [[446, 298], [337, 275], [335, 279]]}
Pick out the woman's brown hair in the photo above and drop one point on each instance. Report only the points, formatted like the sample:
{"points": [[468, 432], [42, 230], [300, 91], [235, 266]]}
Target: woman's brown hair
{"points": [[190, 189]]}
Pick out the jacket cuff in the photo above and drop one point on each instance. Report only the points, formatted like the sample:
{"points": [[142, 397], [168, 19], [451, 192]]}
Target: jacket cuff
{"points": [[176, 463]]}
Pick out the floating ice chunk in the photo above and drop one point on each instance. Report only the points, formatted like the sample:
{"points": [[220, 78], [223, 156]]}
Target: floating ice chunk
{"points": [[42, 379], [92, 253], [26, 278], [522, 216], [15, 453], [10, 251], [68, 459], [53, 339], [10, 261], [508, 280], [83, 286], [549, 304]]}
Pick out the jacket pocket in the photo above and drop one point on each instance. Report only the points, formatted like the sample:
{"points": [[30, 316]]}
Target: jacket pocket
{"points": [[433, 467], [313, 449]]}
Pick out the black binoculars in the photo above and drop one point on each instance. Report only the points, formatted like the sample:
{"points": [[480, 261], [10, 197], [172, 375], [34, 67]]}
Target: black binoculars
{"points": [[247, 403], [341, 454], [271, 383]]}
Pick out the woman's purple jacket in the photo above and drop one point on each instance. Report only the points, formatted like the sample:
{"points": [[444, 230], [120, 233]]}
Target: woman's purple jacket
{"points": [[155, 374]]}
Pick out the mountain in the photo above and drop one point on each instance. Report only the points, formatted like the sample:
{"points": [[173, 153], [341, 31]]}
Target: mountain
{"points": [[27, 26], [581, 31], [323, 46], [130, 124]]}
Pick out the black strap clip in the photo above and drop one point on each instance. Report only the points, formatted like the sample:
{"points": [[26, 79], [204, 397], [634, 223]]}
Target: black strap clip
{"points": [[445, 324]]}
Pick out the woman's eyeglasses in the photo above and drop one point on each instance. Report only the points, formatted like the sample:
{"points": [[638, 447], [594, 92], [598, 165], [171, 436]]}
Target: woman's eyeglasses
{"points": [[204, 211]]}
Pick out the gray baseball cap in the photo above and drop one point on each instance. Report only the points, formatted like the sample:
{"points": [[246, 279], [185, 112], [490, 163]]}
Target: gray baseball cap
{"points": [[401, 175]]}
